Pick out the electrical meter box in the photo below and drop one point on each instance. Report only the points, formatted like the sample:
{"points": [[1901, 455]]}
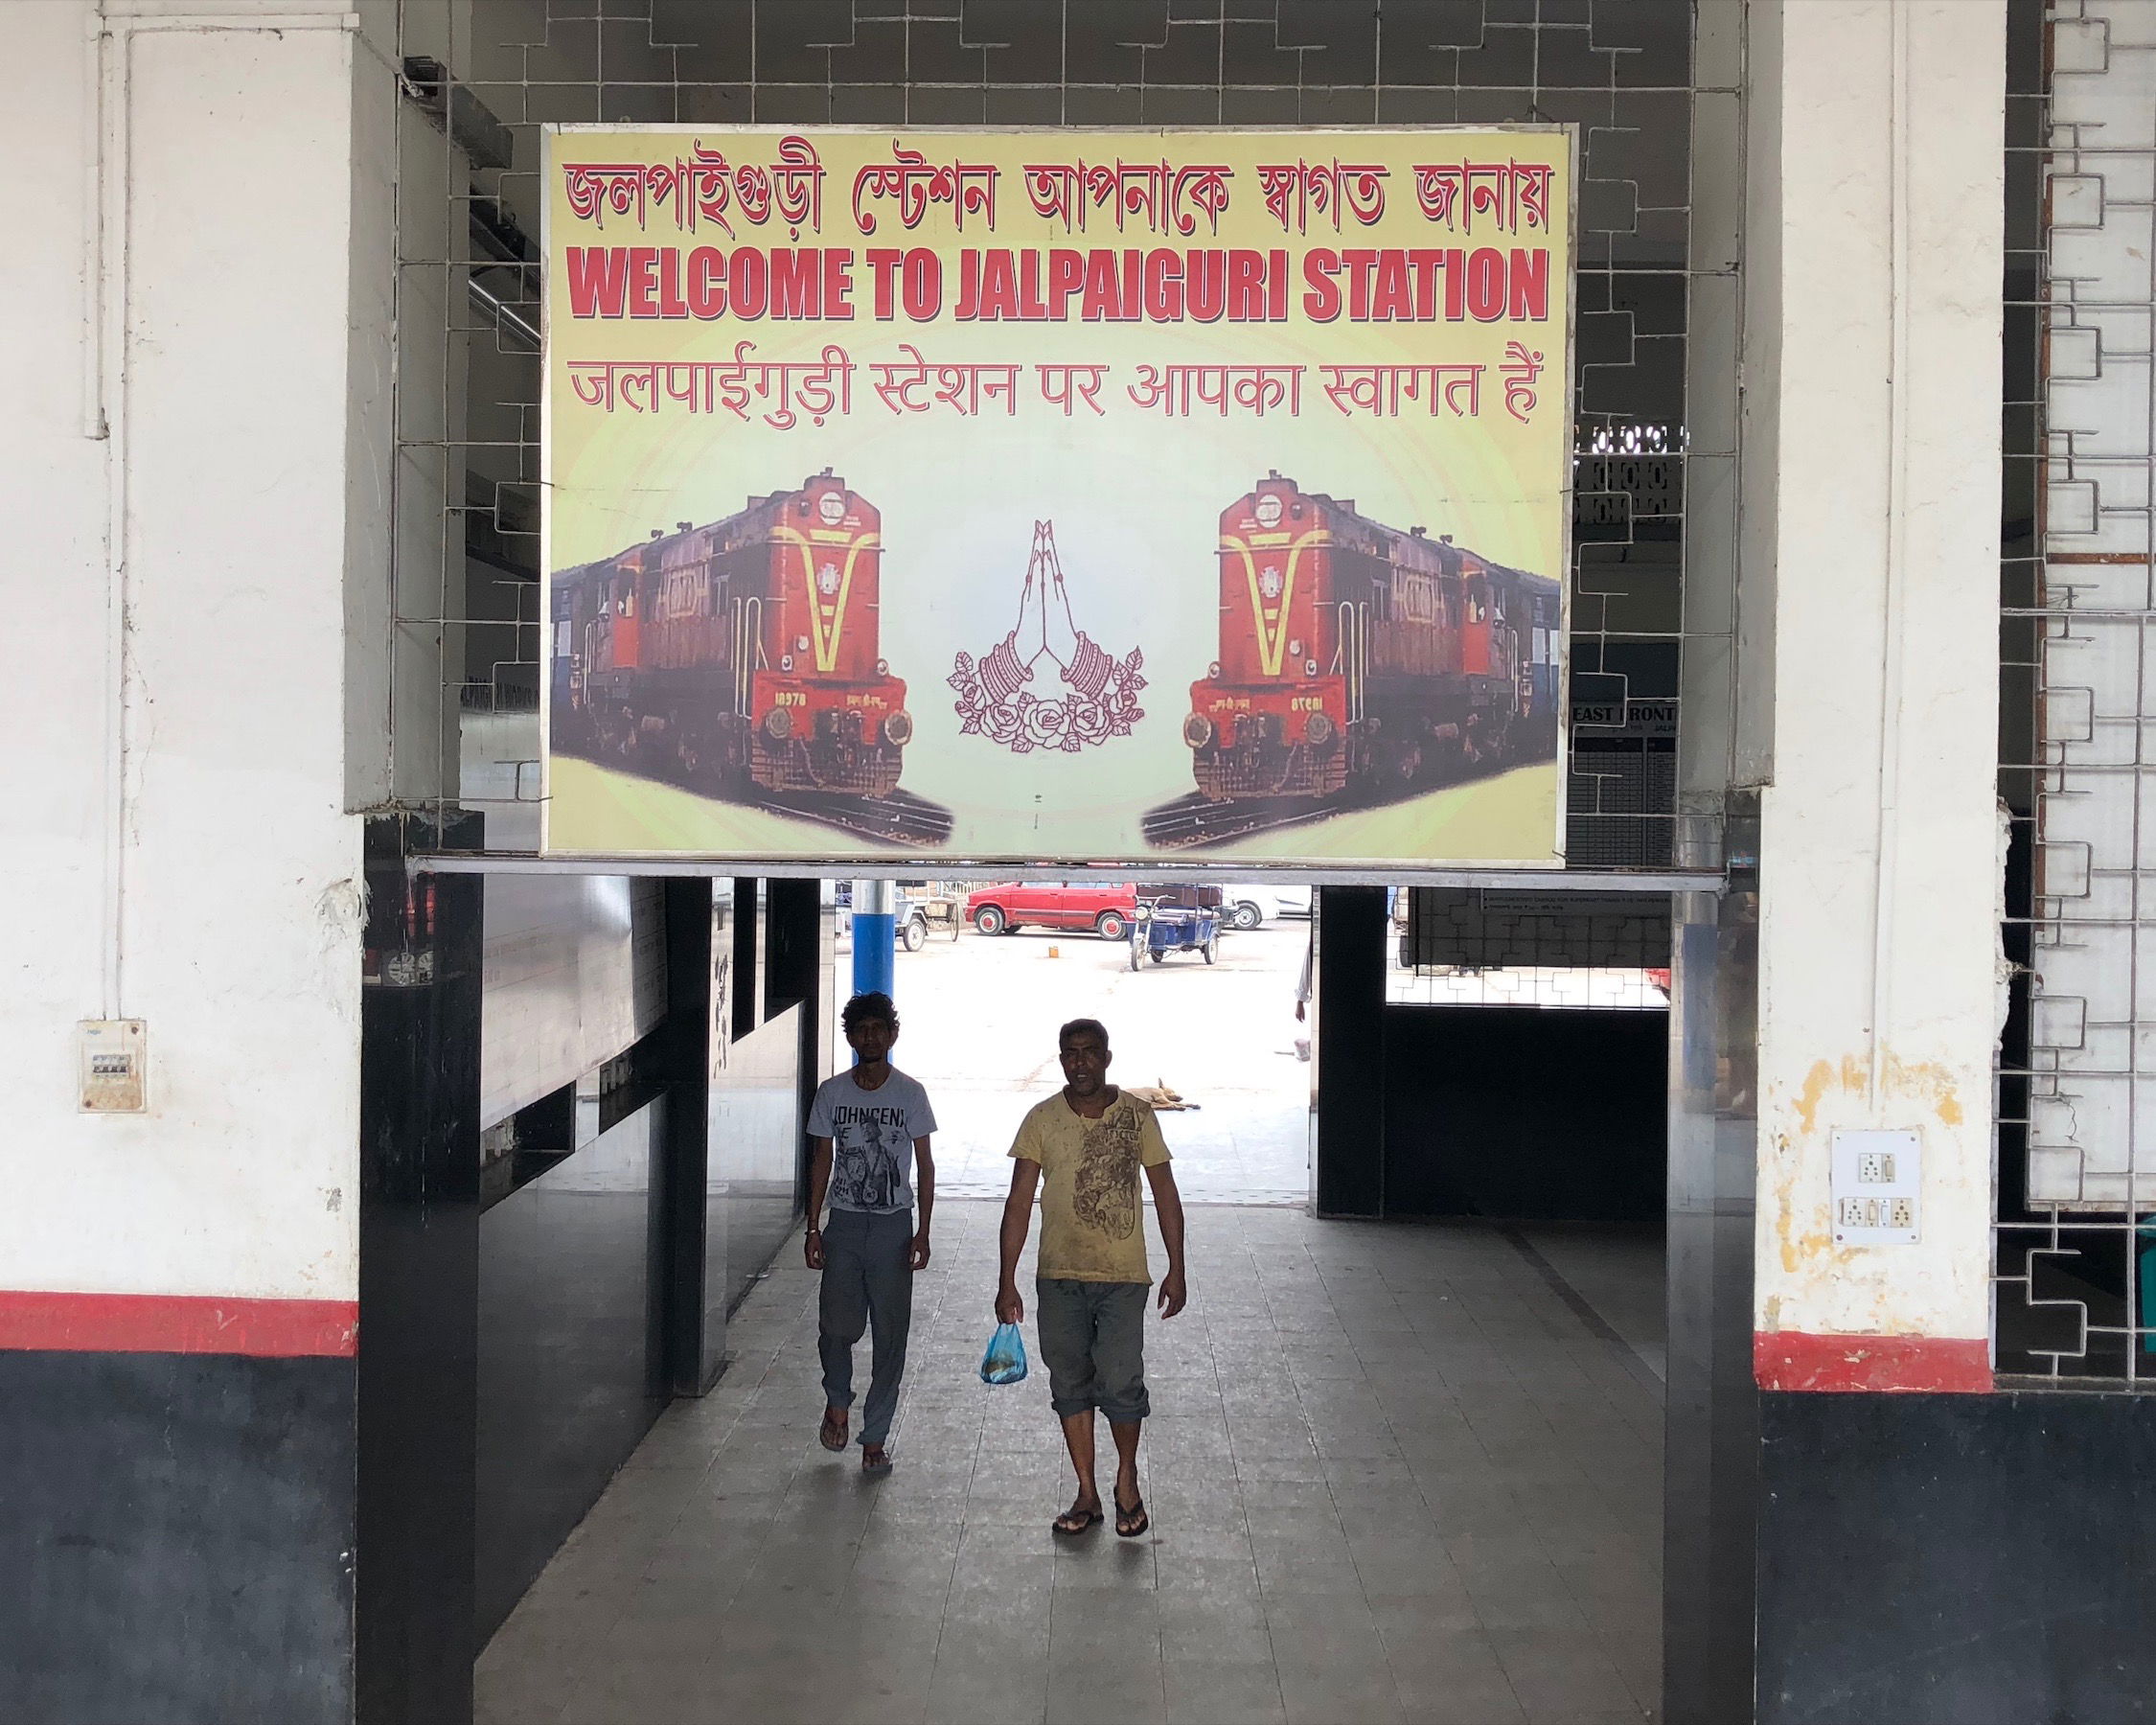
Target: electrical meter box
{"points": [[114, 1077]]}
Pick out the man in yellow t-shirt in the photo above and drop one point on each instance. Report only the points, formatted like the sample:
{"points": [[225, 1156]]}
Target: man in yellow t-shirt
{"points": [[1083, 1148]]}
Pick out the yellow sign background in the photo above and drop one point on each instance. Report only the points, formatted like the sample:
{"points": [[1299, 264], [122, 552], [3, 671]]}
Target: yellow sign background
{"points": [[1136, 496]]}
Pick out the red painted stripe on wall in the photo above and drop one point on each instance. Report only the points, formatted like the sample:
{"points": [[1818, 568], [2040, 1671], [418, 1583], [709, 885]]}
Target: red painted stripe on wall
{"points": [[176, 1324], [1786, 1360]]}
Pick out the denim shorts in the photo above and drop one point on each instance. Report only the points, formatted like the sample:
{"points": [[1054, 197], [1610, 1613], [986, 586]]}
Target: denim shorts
{"points": [[1092, 1336]]}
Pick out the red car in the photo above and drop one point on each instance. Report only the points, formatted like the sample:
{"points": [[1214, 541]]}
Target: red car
{"points": [[1105, 908]]}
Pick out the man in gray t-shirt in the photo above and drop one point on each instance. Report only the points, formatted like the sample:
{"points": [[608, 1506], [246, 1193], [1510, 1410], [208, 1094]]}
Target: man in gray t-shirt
{"points": [[868, 1130]]}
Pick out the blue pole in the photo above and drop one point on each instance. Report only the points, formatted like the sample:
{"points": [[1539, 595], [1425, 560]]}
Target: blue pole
{"points": [[875, 935]]}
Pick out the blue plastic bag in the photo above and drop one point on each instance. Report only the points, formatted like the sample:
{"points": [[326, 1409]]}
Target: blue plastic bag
{"points": [[1004, 1362]]}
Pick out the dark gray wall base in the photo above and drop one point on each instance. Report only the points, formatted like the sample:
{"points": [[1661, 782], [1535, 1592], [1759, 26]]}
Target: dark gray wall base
{"points": [[177, 1534], [1958, 1559]]}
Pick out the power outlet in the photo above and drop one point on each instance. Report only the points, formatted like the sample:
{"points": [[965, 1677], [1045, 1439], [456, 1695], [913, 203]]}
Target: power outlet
{"points": [[114, 1056], [1877, 1181]]}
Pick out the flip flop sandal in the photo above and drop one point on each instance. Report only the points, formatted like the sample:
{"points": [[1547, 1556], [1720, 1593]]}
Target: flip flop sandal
{"points": [[833, 1437], [1073, 1522], [875, 1458], [1132, 1522]]}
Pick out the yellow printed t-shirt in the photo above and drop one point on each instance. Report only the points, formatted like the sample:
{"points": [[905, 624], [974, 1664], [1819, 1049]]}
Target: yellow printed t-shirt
{"points": [[1092, 1215]]}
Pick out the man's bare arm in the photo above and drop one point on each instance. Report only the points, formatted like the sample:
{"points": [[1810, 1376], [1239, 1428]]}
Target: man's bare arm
{"points": [[1167, 1206], [1018, 1220], [925, 1198], [819, 1182]]}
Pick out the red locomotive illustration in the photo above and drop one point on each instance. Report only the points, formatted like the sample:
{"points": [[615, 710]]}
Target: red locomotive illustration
{"points": [[736, 658], [1356, 653]]}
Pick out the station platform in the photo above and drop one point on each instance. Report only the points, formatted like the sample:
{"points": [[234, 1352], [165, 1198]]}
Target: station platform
{"points": [[1397, 1472]]}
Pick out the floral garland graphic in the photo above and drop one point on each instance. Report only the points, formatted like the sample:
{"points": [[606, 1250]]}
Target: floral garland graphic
{"points": [[1099, 694]]}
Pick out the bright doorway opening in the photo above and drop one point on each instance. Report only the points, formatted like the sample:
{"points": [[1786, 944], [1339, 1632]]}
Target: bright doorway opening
{"points": [[1212, 1043]]}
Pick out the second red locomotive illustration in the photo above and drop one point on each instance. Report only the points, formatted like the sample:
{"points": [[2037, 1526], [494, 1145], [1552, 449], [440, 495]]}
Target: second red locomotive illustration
{"points": [[1358, 662], [741, 659]]}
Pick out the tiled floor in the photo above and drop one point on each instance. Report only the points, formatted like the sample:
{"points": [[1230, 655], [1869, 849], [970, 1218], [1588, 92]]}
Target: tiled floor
{"points": [[1395, 1475]]}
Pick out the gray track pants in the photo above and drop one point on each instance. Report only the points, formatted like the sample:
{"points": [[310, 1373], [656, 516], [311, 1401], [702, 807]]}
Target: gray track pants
{"points": [[866, 1278]]}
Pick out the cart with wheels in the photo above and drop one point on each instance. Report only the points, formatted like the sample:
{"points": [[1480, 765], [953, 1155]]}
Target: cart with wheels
{"points": [[1159, 929], [941, 914]]}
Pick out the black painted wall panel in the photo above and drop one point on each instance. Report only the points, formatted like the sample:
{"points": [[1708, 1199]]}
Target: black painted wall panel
{"points": [[751, 928], [801, 959], [177, 1539], [573, 1358], [1347, 1043], [1958, 1559], [752, 1198], [1534, 1113], [419, 1229], [792, 955], [691, 1038], [512, 1361]]}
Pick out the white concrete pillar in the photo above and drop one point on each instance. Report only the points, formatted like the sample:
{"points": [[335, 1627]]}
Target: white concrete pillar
{"points": [[177, 435], [187, 441], [1873, 361]]}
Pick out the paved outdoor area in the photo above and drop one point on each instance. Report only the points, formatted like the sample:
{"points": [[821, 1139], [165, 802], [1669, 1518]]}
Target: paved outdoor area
{"points": [[1398, 1472], [980, 1015]]}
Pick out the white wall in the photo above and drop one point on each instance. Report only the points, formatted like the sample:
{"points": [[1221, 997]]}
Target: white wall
{"points": [[1879, 846], [239, 901]]}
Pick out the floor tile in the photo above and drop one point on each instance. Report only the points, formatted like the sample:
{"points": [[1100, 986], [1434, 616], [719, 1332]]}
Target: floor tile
{"points": [[1105, 1673], [1213, 1691], [1561, 1674], [987, 1677]]}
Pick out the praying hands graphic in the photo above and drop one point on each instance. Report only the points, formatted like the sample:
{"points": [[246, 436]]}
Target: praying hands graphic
{"points": [[1045, 626], [1098, 695]]}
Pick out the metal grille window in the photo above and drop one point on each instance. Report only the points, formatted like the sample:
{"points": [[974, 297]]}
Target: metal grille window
{"points": [[480, 80], [2077, 1200], [1482, 946]]}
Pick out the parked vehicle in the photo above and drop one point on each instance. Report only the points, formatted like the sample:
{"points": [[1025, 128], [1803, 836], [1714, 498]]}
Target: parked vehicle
{"points": [[1247, 906], [1181, 895], [1162, 928], [1106, 907], [911, 914], [912, 929]]}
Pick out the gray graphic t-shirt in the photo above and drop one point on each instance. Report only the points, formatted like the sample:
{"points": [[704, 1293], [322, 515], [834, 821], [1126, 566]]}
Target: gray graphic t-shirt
{"points": [[871, 1133]]}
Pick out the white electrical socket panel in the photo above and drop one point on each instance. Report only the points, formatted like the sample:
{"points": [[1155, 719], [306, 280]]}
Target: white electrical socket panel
{"points": [[1877, 1188], [115, 1066]]}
